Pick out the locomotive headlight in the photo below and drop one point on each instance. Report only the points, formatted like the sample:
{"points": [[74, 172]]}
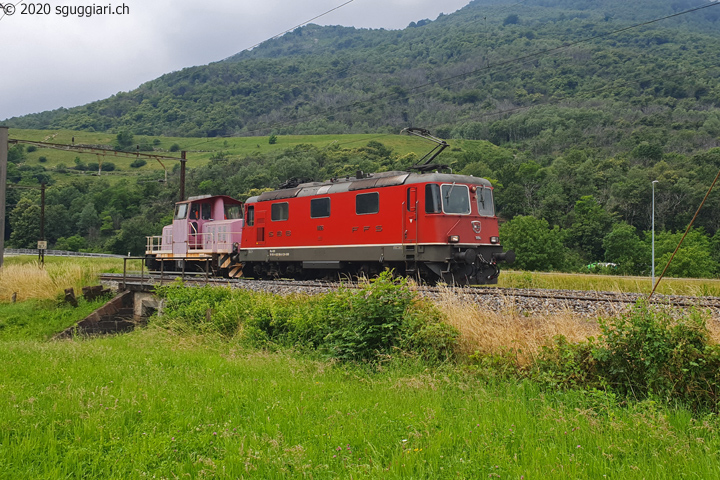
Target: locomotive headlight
{"points": [[454, 239], [494, 240]]}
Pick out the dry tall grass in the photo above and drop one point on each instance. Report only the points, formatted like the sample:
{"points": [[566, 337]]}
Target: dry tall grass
{"points": [[492, 332], [485, 331], [25, 276]]}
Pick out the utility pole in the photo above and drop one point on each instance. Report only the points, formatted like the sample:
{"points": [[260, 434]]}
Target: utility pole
{"points": [[42, 245], [183, 160], [3, 187], [652, 267]]}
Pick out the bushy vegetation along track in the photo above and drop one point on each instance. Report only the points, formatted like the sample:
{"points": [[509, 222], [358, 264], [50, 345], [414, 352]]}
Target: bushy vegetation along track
{"points": [[523, 301]]}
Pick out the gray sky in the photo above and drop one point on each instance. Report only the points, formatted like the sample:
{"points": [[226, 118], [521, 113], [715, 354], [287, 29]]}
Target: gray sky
{"points": [[50, 60]]}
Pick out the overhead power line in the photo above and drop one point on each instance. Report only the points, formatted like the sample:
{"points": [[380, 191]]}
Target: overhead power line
{"points": [[80, 148]]}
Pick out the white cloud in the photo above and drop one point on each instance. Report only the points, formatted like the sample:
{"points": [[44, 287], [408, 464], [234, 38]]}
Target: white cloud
{"points": [[51, 61]]}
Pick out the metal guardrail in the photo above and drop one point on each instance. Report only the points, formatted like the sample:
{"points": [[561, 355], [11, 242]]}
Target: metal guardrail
{"points": [[217, 242], [162, 273], [57, 253]]}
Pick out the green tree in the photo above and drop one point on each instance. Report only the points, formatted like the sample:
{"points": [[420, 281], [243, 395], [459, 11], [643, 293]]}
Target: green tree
{"points": [[132, 236], [16, 153], [512, 19], [624, 247], [536, 245], [25, 224], [694, 259], [647, 153], [58, 222], [590, 225], [715, 247], [273, 139], [88, 221], [74, 243], [124, 140]]}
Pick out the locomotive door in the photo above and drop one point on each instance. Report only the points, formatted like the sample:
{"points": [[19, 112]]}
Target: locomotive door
{"points": [[410, 214]]}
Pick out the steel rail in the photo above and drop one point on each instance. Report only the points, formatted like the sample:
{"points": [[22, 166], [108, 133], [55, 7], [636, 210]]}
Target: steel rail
{"points": [[562, 295]]}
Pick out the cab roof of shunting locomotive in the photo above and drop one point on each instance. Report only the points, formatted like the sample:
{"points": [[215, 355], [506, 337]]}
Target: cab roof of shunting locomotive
{"points": [[227, 200], [367, 181]]}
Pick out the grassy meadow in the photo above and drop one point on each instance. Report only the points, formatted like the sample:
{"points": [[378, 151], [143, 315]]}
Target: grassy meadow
{"points": [[199, 150], [697, 287], [24, 276], [156, 403]]}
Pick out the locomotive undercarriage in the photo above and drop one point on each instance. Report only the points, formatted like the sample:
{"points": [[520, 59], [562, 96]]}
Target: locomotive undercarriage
{"points": [[431, 264], [454, 265]]}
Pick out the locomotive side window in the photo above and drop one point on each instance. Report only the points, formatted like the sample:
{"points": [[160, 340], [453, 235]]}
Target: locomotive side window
{"points": [[319, 208], [181, 211], [367, 203], [206, 215], [455, 199], [433, 204], [279, 212], [485, 202], [250, 220]]}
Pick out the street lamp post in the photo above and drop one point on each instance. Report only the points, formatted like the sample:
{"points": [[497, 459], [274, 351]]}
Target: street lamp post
{"points": [[653, 235]]}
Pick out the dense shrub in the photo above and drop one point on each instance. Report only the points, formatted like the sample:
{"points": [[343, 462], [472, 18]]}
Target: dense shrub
{"points": [[366, 323], [645, 353], [357, 324], [190, 307]]}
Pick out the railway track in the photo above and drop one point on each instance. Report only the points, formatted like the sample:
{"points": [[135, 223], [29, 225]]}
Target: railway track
{"points": [[521, 301]]}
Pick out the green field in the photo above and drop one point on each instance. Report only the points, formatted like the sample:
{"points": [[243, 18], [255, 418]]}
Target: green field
{"points": [[150, 404], [199, 150], [699, 287], [157, 403]]}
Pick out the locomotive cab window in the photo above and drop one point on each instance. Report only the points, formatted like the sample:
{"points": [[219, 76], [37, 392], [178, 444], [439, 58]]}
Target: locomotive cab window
{"points": [[486, 208], [319, 208], [455, 199], [433, 204], [195, 211], [181, 211], [279, 212], [233, 212], [367, 203]]}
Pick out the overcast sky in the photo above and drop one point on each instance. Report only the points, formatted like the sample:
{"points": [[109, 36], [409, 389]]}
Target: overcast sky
{"points": [[50, 60]]}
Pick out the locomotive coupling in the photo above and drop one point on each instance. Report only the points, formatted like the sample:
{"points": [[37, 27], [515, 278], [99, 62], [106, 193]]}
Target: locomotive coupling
{"points": [[508, 256]]}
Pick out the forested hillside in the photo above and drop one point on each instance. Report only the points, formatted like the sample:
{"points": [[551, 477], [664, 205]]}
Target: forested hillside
{"points": [[574, 108], [456, 75]]}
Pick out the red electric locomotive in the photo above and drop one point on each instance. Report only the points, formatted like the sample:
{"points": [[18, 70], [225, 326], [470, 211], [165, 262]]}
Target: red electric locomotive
{"points": [[430, 225]]}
